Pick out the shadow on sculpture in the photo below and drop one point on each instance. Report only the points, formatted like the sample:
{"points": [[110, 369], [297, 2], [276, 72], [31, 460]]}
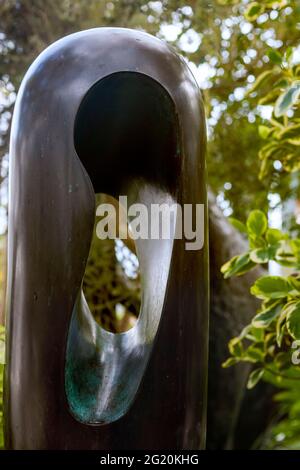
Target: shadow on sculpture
{"points": [[93, 116]]}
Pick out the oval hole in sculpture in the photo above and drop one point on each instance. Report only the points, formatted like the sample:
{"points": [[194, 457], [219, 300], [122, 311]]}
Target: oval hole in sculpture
{"points": [[111, 282]]}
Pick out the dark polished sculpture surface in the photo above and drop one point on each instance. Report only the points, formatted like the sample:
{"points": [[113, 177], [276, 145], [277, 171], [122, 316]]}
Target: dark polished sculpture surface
{"points": [[115, 111]]}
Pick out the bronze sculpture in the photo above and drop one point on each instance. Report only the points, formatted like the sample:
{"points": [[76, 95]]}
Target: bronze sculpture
{"points": [[115, 111]]}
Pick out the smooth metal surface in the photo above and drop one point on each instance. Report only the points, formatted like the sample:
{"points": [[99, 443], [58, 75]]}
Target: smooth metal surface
{"points": [[69, 384]]}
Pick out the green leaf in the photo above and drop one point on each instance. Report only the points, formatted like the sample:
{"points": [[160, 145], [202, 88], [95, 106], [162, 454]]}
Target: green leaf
{"points": [[254, 354], [289, 132], [296, 70], [255, 376], [276, 3], [294, 283], [237, 266], [287, 99], [288, 53], [253, 334], [235, 347], [237, 224], [264, 131], [269, 150], [262, 255], [230, 362], [227, 2], [295, 245], [261, 80], [264, 318], [271, 287], [274, 235], [253, 11], [256, 242], [256, 334], [282, 83], [285, 256], [280, 326], [245, 331], [270, 97], [275, 56], [257, 223], [269, 339], [282, 359], [293, 322], [295, 141]]}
